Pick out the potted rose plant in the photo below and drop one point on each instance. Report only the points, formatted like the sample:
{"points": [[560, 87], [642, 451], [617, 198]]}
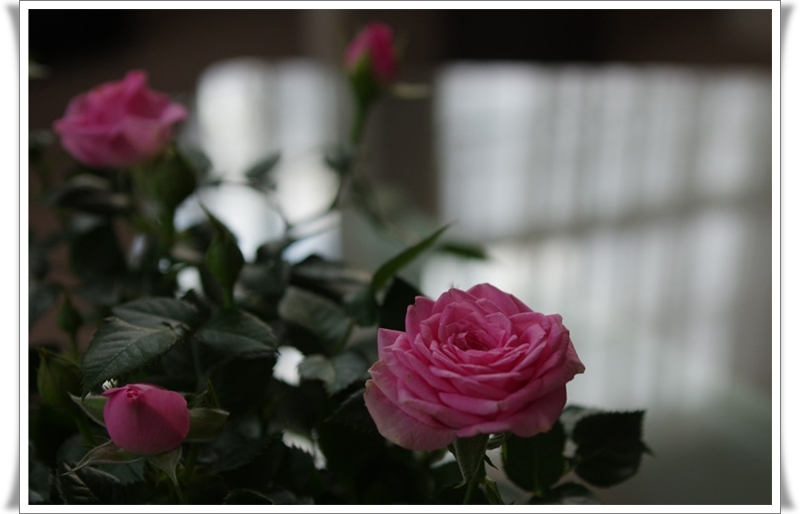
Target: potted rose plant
{"points": [[401, 398]]}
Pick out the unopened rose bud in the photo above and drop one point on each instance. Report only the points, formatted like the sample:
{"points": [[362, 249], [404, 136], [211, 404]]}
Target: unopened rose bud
{"points": [[371, 61], [145, 419]]}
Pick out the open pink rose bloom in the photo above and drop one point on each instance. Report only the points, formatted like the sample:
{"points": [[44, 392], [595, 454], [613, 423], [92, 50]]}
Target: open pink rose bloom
{"points": [[472, 362], [145, 419], [118, 124]]}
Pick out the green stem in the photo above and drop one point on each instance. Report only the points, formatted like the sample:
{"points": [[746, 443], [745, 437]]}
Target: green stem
{"points": [[227, 298], [470, 487], [357, 130]]}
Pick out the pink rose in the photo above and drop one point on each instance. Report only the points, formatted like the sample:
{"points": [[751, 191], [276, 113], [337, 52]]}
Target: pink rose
{"points": [[118, 124], [375, 44], [145, 419], [474, 362]]}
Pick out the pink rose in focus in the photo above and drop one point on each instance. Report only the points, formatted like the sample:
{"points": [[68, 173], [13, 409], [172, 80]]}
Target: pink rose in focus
{"points": [[375, 44], [145, 419], [118, 124], [472, 362]]}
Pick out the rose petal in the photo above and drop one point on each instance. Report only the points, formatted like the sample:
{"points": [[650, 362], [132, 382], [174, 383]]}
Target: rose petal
{"points": [[400, 428]]}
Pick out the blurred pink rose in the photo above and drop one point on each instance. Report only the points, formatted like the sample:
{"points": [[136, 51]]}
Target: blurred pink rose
{"points": [[145, 419], [374, 43], [118, 124], [474, 362]]}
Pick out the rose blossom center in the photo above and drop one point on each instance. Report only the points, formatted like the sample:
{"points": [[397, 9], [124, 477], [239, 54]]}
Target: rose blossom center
{"points": [[469, 341]]}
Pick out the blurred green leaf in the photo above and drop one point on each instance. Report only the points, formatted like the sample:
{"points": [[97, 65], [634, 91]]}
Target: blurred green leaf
{"points": [[91, 194], [609, 447], [241, 383], [568, 493], [40, 478], [340, 159], [224, 259], [41, 298], [319, 318], [96, 253], [119, 348], [246, 497], [463, 250], [258, 174], [238, 333], [362, 306], [353, 413], [399, 261], [337, 373], [536, 463], [399, 296]]}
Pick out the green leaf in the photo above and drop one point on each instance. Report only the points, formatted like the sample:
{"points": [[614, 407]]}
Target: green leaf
{"points": [[337, 373], [93, 406], [469, 453], [241, 383], [107, 453], [353, 413], [246, 497], [40, 477], [91, 194], [205, 424], [258, 174], [569, 493], [491, 492], [168, 462], [463, 250], [170, 180], [536, 463], [119, 348], [224, 259], [362, 306], [127, 472], [318, 317], [392, 313], [156, 312], [238, 333], [399, 261], [609, 447], [340, 159], [297, 473], [41, 298], [95, 252], [89, 486]]}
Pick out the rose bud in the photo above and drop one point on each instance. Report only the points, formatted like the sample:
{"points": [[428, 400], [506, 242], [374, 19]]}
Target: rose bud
{"points": [[472, 362], [145, 419], [371, 61], [118, 124]]}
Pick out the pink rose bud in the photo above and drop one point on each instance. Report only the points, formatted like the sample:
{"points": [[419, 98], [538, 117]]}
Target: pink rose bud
{"points": [[145, 419], [472, 362], [373, 48], [118, 124]]}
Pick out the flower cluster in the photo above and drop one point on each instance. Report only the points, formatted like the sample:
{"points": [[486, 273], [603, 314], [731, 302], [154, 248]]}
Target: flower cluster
{"points": [[175, 398]]}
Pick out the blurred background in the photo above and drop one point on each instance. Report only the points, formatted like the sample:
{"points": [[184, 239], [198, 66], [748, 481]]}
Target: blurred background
{"points": [[615, 165]]}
